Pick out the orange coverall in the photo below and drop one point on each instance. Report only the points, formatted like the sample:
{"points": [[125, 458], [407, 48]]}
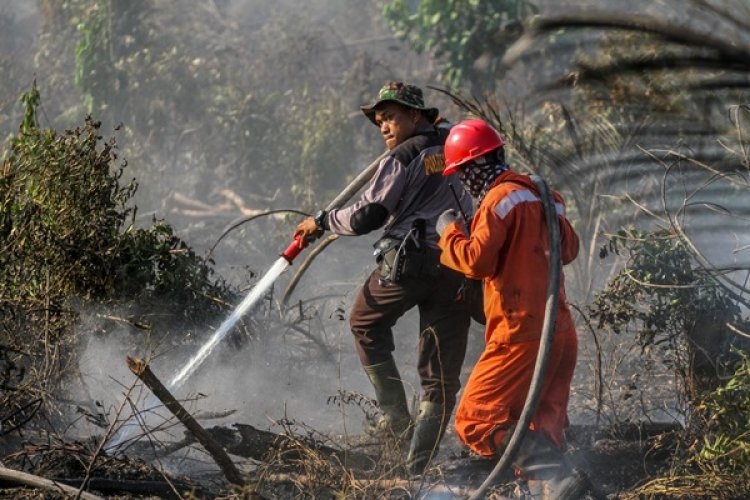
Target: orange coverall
{"points": [[508, 249]]}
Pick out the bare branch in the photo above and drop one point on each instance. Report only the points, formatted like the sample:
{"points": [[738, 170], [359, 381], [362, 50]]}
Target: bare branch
{"points": [[737, 330], [144, 373], [24, 478]]}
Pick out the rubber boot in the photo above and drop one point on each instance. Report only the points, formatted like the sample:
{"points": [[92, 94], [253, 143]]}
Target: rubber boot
{"points": [[568, 484], [546, 471], [537, 457], [428, 429], [389, 392]]}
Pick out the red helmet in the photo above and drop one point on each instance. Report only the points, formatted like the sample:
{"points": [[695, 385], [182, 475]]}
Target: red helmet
{"points": [[468, 140]]}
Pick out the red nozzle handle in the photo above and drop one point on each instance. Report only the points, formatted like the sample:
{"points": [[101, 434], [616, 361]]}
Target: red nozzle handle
{"points": [[293, 250]]}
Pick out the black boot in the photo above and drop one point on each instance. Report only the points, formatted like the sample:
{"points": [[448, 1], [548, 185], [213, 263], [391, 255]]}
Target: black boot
{"points": [[389, 392], [568, 484], [429, 426], [548, 474], [537, 457]]}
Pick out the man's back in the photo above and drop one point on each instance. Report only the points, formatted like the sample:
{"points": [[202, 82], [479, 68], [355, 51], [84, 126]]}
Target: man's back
{"points": [[515, 259], [425, 193]]}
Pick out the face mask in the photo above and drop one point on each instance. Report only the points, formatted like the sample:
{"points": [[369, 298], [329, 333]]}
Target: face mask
{"points": [[477, 178]]}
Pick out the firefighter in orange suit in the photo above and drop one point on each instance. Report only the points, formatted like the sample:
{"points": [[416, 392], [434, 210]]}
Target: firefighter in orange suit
{"points": [[508, 248]]}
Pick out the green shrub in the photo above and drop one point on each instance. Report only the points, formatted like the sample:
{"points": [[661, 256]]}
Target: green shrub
{"points": [[726, 444], [659, 295], [69, 243], [62, 212]]}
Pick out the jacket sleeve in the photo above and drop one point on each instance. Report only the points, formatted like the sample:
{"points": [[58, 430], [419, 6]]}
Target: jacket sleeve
{"points": [[477, 255], [569, 242], [378, 201]]}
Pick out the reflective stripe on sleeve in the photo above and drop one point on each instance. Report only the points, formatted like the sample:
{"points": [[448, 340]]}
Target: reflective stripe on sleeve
{"points": [[514, 198]]}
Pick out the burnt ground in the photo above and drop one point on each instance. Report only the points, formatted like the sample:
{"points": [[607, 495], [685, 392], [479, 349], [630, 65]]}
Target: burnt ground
{"points": [[616, 460]]}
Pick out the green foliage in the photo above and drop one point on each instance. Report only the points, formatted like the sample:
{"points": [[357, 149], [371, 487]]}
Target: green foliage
{"points": [[725, 448], [94, 65], [676, 311], [663, 299], [30, 101], [61, 211], [69, 242], [658, 295], [68, 228], [459, 31], [154, 263], [319, 175], [207, 102]]}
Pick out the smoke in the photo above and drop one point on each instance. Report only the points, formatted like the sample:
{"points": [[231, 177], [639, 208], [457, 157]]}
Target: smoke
{"points": [[276, 376], [180, 151]]}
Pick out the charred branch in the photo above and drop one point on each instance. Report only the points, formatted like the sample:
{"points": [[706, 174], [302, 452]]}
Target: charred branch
{"points": [[136, 487], [144, 373], [250, 442]]}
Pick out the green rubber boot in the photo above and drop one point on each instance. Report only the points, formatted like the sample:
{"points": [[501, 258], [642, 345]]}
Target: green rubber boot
{"points": [[389, 392], [428, 429]]}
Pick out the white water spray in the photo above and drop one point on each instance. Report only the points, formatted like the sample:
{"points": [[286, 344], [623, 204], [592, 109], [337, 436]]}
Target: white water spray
{"points": [[249, 301], [255, 294]]}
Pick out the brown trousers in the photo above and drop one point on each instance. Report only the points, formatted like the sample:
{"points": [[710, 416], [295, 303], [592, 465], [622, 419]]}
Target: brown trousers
{"points": [[443, 323]]}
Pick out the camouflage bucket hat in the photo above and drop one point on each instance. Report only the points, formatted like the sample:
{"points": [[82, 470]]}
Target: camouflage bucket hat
{"points": [[408, 95]]}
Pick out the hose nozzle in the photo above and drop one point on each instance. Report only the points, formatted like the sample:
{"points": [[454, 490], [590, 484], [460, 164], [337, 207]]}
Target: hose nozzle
{"points": [[294, 249]]}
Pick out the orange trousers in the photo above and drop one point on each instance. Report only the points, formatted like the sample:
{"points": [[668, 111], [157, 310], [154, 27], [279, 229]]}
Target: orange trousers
{"points": [[496, 391]]}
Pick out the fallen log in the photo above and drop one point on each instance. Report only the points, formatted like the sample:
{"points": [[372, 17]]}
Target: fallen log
{"points": [[16, 477], [391, 484], [135, 486], [625, 431], [144, 373], [247, 441], [250, 442]]}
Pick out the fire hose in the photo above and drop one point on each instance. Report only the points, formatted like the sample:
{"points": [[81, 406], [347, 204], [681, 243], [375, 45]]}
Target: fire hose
{"points": [[545, 342]]}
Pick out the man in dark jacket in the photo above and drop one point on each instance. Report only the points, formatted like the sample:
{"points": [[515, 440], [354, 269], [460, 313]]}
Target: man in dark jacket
{"points": [[405, 197]]}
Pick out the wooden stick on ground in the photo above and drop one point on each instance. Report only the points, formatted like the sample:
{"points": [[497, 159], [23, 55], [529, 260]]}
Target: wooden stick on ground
{"points": [[143, 372], [24, 478]]}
